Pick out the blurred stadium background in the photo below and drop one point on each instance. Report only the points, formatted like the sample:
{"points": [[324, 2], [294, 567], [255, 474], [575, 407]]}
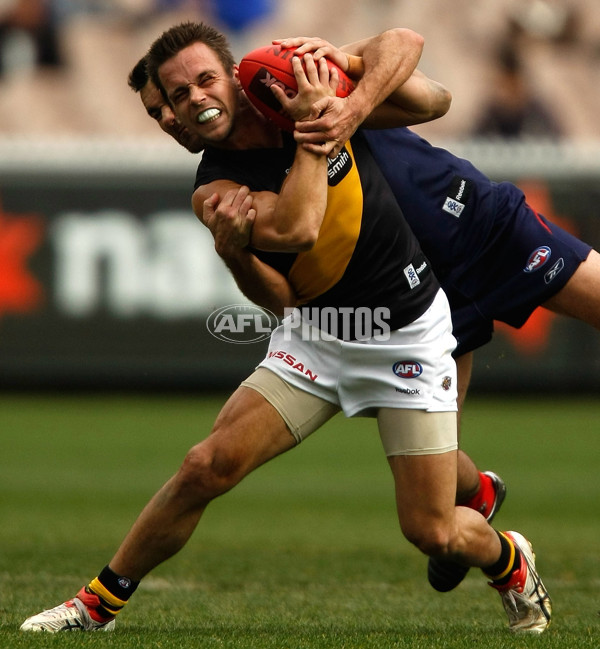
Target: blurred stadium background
{"points": [[106, 279]]}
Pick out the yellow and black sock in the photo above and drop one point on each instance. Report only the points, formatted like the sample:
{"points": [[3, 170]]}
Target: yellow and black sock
{"points": [[509, 561], [113, 592]]}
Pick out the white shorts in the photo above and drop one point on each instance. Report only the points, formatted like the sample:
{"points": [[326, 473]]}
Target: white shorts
{"points": [[413, 369]]}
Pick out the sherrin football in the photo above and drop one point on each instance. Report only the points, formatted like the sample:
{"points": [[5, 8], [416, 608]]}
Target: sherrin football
{"points": [[266, 66]]}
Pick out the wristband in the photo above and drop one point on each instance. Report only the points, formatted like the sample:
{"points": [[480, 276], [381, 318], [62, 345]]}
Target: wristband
{"points": [[356, 67]]}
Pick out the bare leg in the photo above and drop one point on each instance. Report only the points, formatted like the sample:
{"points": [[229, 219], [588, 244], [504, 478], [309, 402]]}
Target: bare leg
{"points": [[247, 433], [468, 473], [425, 491]]}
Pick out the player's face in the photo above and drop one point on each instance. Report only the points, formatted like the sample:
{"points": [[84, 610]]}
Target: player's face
{"points": [[159, 110], [204, 97]]}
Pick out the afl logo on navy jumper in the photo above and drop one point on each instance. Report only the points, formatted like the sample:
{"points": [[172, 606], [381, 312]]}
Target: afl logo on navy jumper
{"points": [[537, 259]]}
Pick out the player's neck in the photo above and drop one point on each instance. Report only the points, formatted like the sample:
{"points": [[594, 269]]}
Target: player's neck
{"points": [[253, 130]]}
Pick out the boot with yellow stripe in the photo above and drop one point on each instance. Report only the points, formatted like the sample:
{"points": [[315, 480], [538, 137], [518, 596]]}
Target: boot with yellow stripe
{"points": [[85, 612]]}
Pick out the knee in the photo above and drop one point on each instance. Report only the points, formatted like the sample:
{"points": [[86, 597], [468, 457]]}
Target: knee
{"points": [[206, 472], [432, 539]]}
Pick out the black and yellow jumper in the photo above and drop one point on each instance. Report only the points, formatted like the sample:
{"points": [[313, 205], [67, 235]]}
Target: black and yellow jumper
{"points": [[365, 255]]}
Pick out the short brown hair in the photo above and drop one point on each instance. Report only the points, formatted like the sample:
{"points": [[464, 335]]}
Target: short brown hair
{"points": [[138, 77], [177, 38]]}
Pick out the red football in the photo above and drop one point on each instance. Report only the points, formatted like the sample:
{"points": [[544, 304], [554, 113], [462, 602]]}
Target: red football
{"points": [[269, 65]]}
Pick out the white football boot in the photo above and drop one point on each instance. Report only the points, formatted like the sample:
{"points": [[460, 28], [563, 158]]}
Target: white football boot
{"points": [[72, 615], [525, 598]]}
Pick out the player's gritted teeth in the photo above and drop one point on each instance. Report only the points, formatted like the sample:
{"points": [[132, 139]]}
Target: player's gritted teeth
{"points": [[208, 115]]}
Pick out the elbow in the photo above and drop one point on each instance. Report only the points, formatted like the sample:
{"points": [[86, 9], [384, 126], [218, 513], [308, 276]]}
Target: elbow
{"points": [[308, 233], [418, 40], [302, 233], [439, 102], [443, 103], [404, 36], [299, 240], [446, 101], [304, 240]]}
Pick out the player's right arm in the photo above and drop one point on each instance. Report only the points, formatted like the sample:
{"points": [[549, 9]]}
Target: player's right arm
{"points": [[230, 221], [289, 221]]}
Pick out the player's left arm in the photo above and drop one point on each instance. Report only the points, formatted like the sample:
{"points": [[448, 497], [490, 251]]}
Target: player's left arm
{"points": [[414, 99], [386, 62], [418, 100]]}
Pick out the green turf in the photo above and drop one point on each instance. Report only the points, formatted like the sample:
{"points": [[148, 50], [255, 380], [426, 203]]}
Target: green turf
{"points": [[306, 553]]}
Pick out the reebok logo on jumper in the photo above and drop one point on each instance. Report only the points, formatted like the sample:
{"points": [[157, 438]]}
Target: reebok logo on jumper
{"points": [[411, 275], [553, 272], [458, 195], [338, 168]]}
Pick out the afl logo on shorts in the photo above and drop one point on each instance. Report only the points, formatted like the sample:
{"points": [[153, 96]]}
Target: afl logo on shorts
{"points": [[407, 369], [537, 259]]}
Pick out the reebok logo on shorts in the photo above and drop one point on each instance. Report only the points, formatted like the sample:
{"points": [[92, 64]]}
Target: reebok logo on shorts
{"points": [[458, 195], [409, 391]]}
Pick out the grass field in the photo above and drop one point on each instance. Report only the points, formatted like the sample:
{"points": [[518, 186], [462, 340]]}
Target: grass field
{"points": [[306, 553]]}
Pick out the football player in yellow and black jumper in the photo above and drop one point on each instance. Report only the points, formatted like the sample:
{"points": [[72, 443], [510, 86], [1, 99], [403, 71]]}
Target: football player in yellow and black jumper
{"points": [[373, 336]]}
